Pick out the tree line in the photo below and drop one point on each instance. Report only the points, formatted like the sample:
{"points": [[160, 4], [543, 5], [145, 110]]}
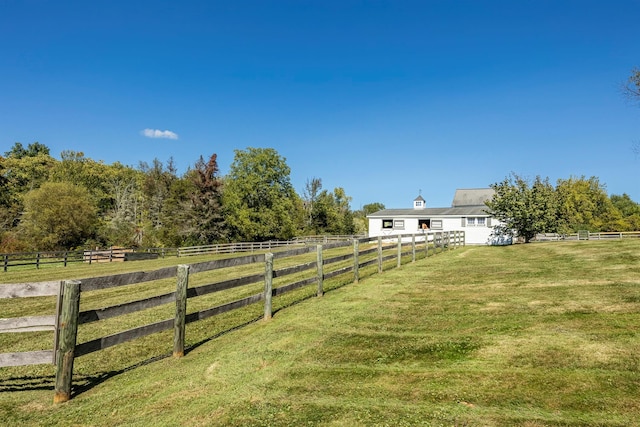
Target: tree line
{"points": [[526, 208], [77, 202]]}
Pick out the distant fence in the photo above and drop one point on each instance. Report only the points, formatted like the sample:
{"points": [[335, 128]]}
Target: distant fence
{"points": [[230, 248], [67, 319], [587, 235], [42, 258]]}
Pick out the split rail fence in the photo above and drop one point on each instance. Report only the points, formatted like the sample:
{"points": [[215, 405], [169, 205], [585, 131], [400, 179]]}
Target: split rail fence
{"points": [[587, 235], [345, 257], [43, 258]]}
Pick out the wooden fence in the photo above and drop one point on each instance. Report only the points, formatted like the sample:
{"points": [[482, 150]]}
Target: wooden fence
{"points": [[42, 258], [230, 248], [68, 317], [587, 235]]}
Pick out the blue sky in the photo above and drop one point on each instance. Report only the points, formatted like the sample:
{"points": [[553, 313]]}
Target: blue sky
{"points": [[382, 98]]}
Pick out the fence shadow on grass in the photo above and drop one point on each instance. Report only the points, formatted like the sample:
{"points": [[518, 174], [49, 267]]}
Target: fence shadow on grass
{"points": [[31, 383], [86, 383]]}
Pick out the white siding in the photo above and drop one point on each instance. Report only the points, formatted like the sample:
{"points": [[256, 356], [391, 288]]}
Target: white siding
{"points": [[476, 235]]}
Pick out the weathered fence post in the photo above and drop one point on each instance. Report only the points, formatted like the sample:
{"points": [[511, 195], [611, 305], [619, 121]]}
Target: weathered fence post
{"points": [[356, 261], [379, 254], [6, 262], [426, 245], [268, 285], [399, 251], [68, 332], [413, 248], [320, 269], [182, 283]]}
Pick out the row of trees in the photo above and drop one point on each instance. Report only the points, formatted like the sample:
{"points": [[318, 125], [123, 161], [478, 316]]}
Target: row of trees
{"points": [[527, 208], [46, 203]]}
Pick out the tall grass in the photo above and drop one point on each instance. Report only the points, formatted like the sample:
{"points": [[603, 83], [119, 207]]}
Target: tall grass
{"points": [[531, 335]]}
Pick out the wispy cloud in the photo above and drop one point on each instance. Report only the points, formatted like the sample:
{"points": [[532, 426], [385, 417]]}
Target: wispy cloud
{"points": [[157, 133]]}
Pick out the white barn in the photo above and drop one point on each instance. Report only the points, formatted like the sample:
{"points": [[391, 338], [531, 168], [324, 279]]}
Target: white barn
{"points": [[467, 212]]}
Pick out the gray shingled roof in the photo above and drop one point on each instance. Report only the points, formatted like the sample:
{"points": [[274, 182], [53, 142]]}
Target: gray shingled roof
{"points": [[472, 196], [420, 213], [468, 201]]}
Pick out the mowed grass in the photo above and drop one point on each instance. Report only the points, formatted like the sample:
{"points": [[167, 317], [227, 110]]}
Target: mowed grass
{"points": [[528, 335]]}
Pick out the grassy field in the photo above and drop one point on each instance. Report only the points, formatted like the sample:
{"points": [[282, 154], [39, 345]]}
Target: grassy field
{"points": [[527, 335]]}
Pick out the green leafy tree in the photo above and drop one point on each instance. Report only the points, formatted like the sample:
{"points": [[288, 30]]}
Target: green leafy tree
{"points": [[524, 209], [26, 173], [34, 149], [625, 205], [331, 213], [94, 176], [4, 186], [20, 174], [58, 215], [629, 210], [584, 205], [360, 216], [312, 189], [260, 202]]}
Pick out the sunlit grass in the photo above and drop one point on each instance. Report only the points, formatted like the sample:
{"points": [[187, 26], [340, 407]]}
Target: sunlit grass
{"points": [[529, 335]]}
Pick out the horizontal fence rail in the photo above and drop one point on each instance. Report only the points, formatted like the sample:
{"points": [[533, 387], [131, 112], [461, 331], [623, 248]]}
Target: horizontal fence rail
{"points": [[64, 258], [588, 235], [90, 256], [302, 268]]}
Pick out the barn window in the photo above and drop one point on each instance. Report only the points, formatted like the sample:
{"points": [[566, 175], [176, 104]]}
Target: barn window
{"points": [[398, 224], [424, 224], [476, 221], [436, 224], [387, 223]]}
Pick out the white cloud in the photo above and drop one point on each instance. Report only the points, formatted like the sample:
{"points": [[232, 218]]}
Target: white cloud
{"points": [[157, 133]]}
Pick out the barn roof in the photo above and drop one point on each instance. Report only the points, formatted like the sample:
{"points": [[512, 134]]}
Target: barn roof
{"points": [[421, 213], [472, 196], [469, 201]]}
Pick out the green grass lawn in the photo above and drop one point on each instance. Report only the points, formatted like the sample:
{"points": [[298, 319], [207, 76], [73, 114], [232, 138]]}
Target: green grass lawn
{"points": [[526, 335]]}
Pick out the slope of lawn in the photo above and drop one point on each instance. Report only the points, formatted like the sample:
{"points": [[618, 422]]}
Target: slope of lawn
{"points": [[527, 335]]}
